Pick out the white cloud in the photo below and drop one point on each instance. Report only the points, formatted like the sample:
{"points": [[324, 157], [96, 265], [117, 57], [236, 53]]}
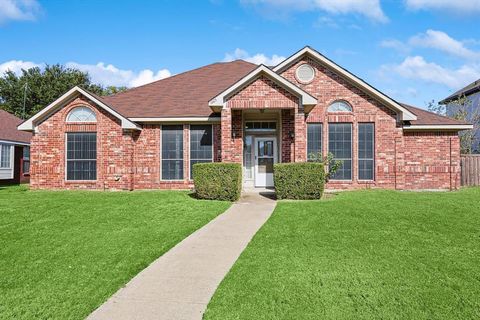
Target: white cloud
{"points": [[258, 58], [17, 65], [443, 42], [100, 73], [460, 6], [416, 67], [18, 10], [396, 45], [368, 8], [109, 75]]}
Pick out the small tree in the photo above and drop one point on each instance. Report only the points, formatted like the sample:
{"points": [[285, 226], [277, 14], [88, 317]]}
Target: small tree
{"points": [[461, 109], [27, 93], [331, 166]]}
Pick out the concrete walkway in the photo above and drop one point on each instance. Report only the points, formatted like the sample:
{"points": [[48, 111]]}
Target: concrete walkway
{"points": [[179, 284]]}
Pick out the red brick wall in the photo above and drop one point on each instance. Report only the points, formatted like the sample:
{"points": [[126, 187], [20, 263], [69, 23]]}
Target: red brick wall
{"points": [[394, 167], [432, 160], [263, 93], [114, 151], [125, 159], [131, 159]]}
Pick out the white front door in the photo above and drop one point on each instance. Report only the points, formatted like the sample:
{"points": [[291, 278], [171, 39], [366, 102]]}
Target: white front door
{"points": [[265, 157]]}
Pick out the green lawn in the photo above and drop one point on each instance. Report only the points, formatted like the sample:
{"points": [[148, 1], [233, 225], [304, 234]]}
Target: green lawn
{"points": [[63, 253], [360, 255]]}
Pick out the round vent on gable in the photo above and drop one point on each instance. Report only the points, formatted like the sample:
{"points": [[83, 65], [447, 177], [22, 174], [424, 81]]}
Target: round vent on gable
{"points": [[305, 73]]}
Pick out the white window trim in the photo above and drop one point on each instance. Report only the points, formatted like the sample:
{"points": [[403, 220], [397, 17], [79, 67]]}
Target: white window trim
{"points": [[66, 160], [183, 154], [190, 151], [374, 152], [303, 81], [10, 147], [351, 152], [339, 111], [82, 121]]}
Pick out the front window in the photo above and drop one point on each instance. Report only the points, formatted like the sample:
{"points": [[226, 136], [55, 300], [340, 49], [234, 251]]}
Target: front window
{"points": [[201, 145], [340, 145], [314, 141], [26, 160], [172, 152], [340, 106], [260, 125], [82, 156], [366, 143], [5, 156], [81, 114]]}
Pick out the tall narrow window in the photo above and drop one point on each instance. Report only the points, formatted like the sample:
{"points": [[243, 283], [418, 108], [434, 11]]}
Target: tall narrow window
{"points": [[172, 152], [26, 160], [82, 156], [366, 143], [314, 141], [201, 145], [5, 156], [340, 145]]}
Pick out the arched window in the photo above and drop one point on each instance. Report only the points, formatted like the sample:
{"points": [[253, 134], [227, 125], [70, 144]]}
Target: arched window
{"points": [[340, 106], [81, 114]]}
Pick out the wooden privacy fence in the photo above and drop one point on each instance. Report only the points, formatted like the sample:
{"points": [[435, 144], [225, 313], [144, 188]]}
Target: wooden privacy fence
{"points": [[470, 166]]}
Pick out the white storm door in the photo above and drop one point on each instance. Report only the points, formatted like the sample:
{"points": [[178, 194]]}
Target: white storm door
{"points": [[265, 157]]}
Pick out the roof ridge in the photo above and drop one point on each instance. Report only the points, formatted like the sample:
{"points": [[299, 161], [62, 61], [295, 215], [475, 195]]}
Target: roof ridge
{"points": [[174, 76]]}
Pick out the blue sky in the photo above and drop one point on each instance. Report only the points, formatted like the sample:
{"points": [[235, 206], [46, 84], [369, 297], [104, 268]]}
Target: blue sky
{"points": [[413, 50]]}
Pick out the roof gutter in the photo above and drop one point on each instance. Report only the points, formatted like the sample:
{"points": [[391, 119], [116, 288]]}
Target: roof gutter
{"points": [[176, 119], [438, 127]]}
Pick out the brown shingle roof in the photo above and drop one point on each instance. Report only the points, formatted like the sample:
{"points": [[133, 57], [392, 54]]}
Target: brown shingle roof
{"points": [[8, 128], [183, 95], [425, 117]]}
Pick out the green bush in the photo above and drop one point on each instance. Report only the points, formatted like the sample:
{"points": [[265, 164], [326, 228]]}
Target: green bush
{"points": [[218, 181], [302, 180]]}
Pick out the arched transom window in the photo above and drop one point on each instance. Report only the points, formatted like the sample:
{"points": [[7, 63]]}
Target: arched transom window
{"points": [[340, 106], [81, 114]]}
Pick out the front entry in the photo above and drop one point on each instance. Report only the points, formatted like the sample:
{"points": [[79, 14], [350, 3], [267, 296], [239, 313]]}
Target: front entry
{"points": [[265, 157]]}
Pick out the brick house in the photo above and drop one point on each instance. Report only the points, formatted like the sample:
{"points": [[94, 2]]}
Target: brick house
{"points": [[150, 136], [14, 150]]}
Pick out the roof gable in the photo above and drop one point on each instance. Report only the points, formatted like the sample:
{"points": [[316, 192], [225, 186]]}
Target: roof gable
{"points": [[9, 132], [389, 102], [217, 102], [29, 125]]}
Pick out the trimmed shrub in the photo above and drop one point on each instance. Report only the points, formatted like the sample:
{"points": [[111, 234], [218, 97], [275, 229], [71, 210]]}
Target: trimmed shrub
{"points": [[302, 180], [217, 180]]}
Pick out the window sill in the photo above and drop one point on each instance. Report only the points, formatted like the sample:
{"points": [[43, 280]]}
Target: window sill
{"points": [[340, 181], [80, 181]]}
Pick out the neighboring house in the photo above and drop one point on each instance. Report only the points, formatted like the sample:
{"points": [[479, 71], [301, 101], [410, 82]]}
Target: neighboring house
{"points": [[472, 104], [150, 136], [14, 150]]}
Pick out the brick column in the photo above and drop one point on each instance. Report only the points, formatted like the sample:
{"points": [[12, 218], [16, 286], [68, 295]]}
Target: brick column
{"points": [[399, 164], [288, 125], [232, 136], [300, 136], [226, 138]]}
